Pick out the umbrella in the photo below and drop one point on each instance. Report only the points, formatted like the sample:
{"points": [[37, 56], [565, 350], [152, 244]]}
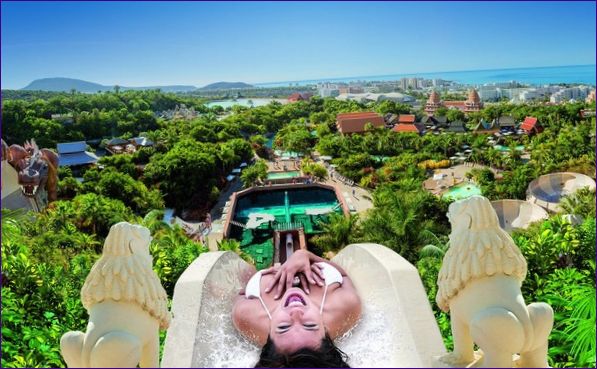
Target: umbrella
{"points": [[230, 178], [242, 165], [236, 171]]}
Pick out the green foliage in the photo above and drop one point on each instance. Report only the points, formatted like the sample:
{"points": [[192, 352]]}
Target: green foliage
{"points": [[93, 115], [582, 203], [187, 169], [295, 138], [404, 221], [234, 246], [120, 186], [41, 279], [338, 231], [254, 173], [172, 253], [308, 167], [122, 163]]}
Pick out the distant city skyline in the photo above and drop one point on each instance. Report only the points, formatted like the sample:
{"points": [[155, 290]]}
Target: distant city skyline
{"points": [[140, 44]]}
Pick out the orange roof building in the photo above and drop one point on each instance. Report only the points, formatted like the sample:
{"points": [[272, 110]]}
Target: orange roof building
{"points": [[299, 96], [406, 124], [530, 125], [348, 123], [407, 118], [471, 104]]}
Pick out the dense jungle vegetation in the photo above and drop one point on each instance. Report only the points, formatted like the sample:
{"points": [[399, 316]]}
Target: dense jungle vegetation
{"points": [[46, 256]]}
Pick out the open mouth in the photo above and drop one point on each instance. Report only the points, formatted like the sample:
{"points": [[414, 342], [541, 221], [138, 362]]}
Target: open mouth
{"points": [[295, 300], [29, 190]]}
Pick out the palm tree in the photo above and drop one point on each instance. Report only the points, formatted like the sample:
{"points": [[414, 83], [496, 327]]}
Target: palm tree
{"points": [[582, 203], [226, 156], [154, 221], [437, 249], [338, 232], [234, 246], [11, 223], [399, 221], [89, 211]]}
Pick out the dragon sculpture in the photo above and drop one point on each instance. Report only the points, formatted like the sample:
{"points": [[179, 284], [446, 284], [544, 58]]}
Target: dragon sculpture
{"points": [[37, 168]]}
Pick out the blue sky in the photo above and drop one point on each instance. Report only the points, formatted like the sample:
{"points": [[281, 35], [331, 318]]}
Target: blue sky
{"points": [[157, 43]]}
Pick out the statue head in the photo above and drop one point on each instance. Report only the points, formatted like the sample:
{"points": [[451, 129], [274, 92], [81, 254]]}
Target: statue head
{"points": [[124, 273], [479, 248], [32, 171]]}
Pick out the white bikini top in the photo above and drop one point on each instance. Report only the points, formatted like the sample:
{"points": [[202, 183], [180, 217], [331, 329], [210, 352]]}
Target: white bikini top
{"points": [[331, 275]]}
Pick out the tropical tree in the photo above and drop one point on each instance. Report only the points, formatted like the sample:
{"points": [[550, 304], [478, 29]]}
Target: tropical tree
{"points": [[402, 221], [254, 173], [582, 203], [338, 231], [234, 246]]}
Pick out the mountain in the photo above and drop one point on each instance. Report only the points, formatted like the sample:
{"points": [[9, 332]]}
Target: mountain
{"points": [[226, 86], [65, 84], [68, 84]]}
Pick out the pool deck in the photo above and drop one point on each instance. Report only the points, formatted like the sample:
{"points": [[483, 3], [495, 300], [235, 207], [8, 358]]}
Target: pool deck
{"points": [[360, 202], [452, 176]]}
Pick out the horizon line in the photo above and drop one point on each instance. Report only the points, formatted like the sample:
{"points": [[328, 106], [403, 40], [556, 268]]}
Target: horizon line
{"points": [[257, 84], [415, 73]]}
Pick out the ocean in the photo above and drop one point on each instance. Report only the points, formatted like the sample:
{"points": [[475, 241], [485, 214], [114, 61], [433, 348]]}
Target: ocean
{"points": [[533, 76]]}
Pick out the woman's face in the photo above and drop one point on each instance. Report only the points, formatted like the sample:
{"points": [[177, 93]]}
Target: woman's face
{"points": [[296, 323]]}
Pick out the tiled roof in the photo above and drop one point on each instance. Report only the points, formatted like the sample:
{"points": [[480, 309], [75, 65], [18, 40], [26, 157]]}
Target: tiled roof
{"points": [[454, 103], [415, 128], [530, 124], [116, 141], [356, 114], [506, 121], [298, 96], [78, 158], [456, 126], [486, 126], [71, 147], [355, 122], [142, 141], [406, 118]]}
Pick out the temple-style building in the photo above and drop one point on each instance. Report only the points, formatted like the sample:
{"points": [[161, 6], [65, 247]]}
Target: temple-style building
{"points": [[472, 103]]}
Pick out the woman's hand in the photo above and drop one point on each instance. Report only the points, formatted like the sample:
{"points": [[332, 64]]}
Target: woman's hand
{"points": [[299, 265]]}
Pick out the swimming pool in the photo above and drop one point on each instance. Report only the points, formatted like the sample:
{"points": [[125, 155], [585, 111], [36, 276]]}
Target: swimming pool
{"points": [[288, 154], [281, 175], [291, 208], [462, 191], [503, 148]]}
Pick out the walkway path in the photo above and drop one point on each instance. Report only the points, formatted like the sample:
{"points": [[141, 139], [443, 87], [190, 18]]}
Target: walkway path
{"points": [[217, 225], [361, 200]]}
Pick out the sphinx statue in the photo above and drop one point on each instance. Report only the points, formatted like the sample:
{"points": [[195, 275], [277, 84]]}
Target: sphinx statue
{"points": [[126, 303], [37, 168], [479, 284]]}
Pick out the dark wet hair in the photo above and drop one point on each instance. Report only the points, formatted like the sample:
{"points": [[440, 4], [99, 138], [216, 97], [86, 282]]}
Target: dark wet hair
{"points": [[326, 356]]}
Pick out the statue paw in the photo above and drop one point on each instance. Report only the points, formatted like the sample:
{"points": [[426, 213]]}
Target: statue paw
{"points": [[454, 359]]}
